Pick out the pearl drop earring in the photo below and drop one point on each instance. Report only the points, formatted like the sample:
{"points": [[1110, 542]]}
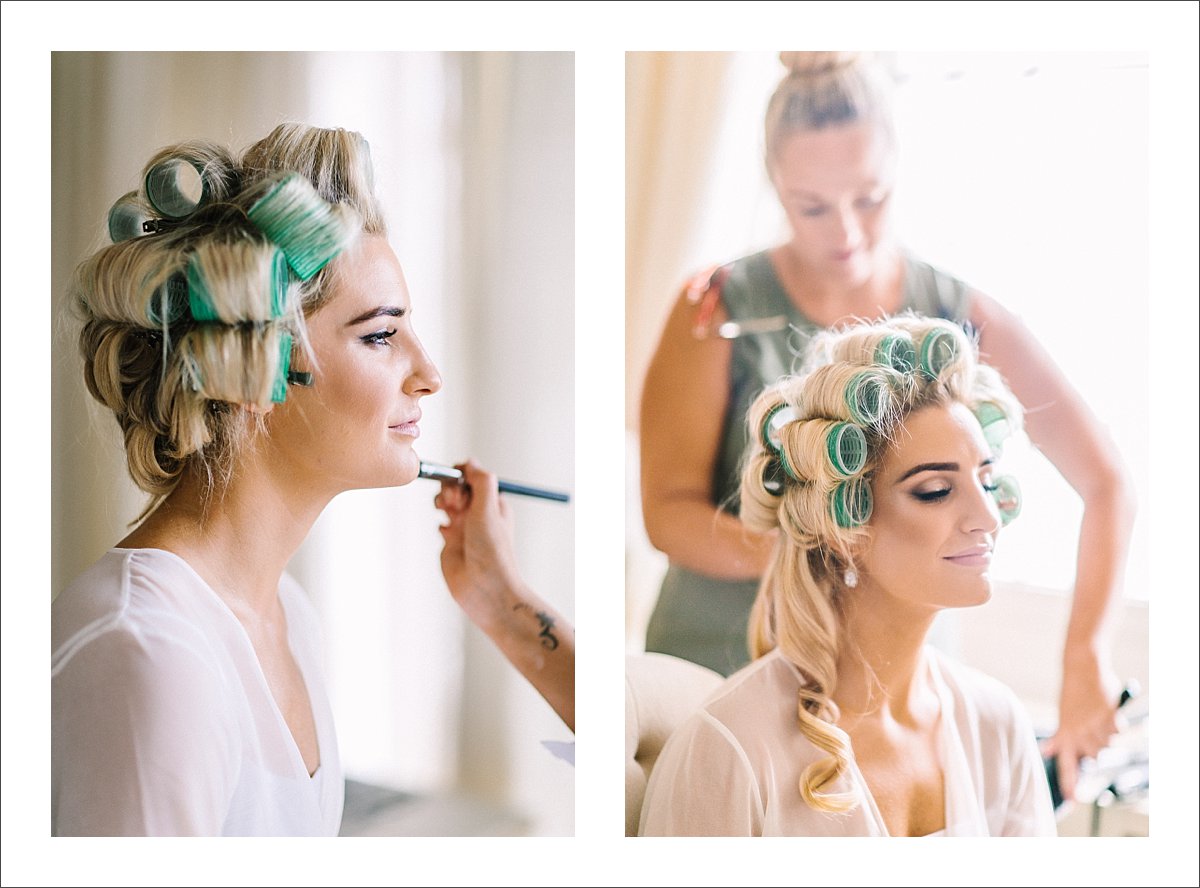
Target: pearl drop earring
{"points": [[851, 578]]}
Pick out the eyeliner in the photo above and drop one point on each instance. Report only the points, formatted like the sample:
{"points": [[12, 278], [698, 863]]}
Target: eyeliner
{"points": [[446, 473]]}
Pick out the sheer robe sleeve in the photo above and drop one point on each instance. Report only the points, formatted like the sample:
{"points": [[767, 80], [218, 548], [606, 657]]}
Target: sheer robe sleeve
{"points": [[702, 785], [1030, 811], [143, 741]]}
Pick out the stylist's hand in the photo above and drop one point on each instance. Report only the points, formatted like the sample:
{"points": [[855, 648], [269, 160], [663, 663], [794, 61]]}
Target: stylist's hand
{"points": [[1087, 716], [478, 558]]}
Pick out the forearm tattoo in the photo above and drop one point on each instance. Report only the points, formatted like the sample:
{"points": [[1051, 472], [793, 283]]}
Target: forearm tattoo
{"points": [[546, 634], [547, 623]]}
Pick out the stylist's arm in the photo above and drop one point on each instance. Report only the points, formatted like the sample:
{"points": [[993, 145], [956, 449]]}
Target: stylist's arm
{"points": [[480, 567]]}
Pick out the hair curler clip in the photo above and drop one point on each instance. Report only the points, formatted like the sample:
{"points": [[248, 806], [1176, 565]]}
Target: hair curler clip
{"points": [[157, 226], [1008, 498], [851, 503]]}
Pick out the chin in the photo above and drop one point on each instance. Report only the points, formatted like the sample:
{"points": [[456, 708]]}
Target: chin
{"points": [[397, 473], [979, 596], [853, 272], [409, 473]]}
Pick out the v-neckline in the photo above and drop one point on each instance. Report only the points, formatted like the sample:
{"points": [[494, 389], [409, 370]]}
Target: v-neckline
{"points": [[264, 685], [945, 714], [797, 313]]}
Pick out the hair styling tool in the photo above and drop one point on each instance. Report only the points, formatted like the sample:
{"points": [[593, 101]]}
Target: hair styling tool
{"points": [[1131, 690]]}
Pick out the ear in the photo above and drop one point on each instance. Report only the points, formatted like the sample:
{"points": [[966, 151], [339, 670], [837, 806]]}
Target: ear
{"points": [[257, 409]]}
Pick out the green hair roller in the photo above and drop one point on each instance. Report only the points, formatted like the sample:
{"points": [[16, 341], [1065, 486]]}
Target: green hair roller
{"points": [[994, 421], [279, 390], [846, 445], [773, 477], [169, 190], [777, 417], [897, 352], [125, 218], [203, 308], [867, 397], [170, 303], [851, 503], [303, 225], [1008, 498], [939, 349]]}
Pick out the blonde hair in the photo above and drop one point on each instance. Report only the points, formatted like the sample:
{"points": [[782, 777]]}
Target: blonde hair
{"points": [[182, 325], [823, 89], [871, 377]]}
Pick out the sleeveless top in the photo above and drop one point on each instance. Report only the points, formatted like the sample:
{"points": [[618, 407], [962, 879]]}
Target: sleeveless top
{"points": [[704, 619]]}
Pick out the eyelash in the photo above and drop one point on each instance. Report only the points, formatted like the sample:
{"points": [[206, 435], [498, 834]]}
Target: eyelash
{"points": [[931, 496], [380, 337]]}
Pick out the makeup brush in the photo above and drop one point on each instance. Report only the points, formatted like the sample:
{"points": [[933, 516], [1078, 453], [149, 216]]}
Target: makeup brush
{"points": [[447, 473]]}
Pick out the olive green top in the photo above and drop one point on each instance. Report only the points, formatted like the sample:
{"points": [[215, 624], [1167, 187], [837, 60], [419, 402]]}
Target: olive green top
{"points": [[704, 619]]}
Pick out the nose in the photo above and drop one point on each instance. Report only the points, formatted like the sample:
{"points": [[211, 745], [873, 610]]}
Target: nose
{"points": [[848, 228], [982, 514], [423, 377]]}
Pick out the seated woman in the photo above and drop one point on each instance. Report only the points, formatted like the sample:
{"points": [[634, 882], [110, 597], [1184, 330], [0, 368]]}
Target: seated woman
{"points": [[877, 467], [251, 330]]}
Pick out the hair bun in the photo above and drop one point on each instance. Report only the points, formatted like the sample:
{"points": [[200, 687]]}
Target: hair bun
{"points": [[810, 64]]}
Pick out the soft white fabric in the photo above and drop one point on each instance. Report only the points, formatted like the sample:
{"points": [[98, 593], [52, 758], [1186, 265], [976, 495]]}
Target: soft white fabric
{"points": [[163, 722], [733, 768]]}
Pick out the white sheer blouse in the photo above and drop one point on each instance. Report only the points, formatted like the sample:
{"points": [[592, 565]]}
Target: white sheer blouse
{"points": [[733, 768], [162, 720]]}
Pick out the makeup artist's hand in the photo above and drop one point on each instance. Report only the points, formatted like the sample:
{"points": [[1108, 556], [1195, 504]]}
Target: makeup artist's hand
{"points": [[478, 559], [480, 566]]}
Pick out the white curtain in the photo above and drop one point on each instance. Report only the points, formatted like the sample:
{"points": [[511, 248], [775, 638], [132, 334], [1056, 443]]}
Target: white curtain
{"points": [[474, 163]]}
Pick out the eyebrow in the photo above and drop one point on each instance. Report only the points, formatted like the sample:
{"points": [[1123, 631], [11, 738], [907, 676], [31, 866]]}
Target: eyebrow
{"points": [[805, 195], [868, 187], [937, 467], [382, 311]]}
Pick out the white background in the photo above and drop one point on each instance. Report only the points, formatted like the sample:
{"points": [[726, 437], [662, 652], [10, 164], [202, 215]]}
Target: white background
{"points": [[599, 34]]}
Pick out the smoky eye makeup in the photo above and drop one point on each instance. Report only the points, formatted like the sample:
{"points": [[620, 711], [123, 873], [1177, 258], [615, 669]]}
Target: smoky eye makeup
{"points": [[379, 337], [932, 493]]}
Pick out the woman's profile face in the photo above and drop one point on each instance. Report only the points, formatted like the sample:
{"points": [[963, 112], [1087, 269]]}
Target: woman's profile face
{"points": [[834, 185], [934, 521], [356, 426]]}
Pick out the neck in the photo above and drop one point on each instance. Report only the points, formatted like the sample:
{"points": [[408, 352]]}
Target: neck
{"points": [[876, 292], [239, 539], [880, 671]]}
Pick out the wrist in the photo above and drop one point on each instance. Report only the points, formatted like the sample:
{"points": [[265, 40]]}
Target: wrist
{"points": [[1085, 650], [497, 608]]}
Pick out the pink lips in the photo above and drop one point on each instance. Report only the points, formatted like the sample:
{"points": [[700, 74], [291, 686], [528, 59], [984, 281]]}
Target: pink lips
{"points": [[975, 556], [409, 429]]}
